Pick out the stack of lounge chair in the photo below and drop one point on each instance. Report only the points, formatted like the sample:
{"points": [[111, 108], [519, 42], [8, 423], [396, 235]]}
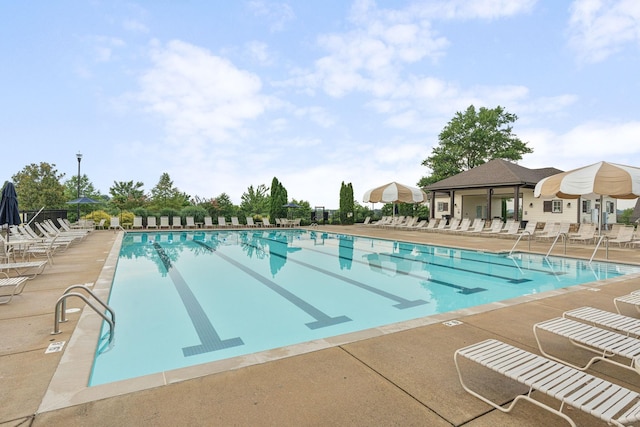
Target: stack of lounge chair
{"points": [[612, 338], [28, 250]]}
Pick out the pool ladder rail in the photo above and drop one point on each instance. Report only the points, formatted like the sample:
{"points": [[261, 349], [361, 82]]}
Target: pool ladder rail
{"points": [[565, 239], [60, 315]]}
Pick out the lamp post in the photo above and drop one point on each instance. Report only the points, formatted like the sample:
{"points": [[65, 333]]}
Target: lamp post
{"points": [[79, 157]]}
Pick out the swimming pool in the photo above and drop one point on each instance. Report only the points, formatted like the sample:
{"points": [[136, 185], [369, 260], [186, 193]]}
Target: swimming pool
{"points": [[186, 298]]}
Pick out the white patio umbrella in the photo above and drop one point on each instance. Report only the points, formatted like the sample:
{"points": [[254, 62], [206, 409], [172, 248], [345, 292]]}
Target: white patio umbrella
{"points": [[599, 179], [395, 193]]}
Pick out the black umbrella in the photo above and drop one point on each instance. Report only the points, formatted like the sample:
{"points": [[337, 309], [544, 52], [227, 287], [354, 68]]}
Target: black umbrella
{"points": [[9, 212], [290, 205], [82, 201]]}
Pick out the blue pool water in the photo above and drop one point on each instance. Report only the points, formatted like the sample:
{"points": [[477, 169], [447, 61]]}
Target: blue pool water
{"points": [[184, 298]]}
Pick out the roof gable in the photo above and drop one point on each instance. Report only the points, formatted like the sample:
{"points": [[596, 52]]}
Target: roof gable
{"points": [[494, 173]]}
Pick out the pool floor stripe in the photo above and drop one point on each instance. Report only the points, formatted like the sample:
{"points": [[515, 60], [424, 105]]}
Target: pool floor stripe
{"points": [[457, 268], [322, 319], [402, 302], [209, 338]]}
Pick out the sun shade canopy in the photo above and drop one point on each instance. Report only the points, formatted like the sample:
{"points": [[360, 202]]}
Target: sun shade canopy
{"points": [[600, 179], [395, 193]]}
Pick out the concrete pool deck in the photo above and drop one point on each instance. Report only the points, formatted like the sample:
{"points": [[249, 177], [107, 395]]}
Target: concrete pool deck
{"points": [[392, 378]]}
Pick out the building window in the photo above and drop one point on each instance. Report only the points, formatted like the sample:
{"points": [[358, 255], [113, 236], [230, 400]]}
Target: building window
{"points": [[557, 206], [586, 206], [443, 206], [554, 206], [610, 209]]}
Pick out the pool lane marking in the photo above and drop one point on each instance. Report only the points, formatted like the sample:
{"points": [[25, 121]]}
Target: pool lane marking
{"points": [[462, 289], [209, 338], [402, 302], [435, 264], [322, 319]]}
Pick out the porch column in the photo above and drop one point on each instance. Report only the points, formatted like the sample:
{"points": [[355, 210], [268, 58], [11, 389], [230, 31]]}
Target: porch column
{"points": [[516, 204], [452, 198], [432, 205], [489, 194]]}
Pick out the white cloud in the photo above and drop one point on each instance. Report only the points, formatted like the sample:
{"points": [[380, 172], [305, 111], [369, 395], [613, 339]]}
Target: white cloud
{"points": [[477, 9], [135, 26], [370, 57], [198, 93], [600, 28], [103, 47], [277, 14], [587, 143], [259, 52]]}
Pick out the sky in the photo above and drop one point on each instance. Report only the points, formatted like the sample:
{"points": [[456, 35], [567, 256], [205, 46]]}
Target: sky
{"points": [[223, 95]]}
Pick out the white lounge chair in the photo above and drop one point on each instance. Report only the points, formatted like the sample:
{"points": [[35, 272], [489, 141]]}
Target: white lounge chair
{"points": [[430, 226], [478, 226], [266, 223], [46, 249], [137, 222], [510, 229], [496, 227], [114, 223], [235, 222], [222, 222], [409, 223], [632, 300], [586, 233], [164, 222], [605, 319], [452, 226], [208, 222], [177, 222], [250, 222], [151, 222], [10, 287], [190, 222], [573, 388], [604, 343], [625, 235], [28, 269], [464, 225], [529, 229], [549, 230], [442, 223]]}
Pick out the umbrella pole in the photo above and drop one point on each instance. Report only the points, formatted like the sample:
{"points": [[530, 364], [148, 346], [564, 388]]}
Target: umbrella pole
{"points": [[600, 216]]}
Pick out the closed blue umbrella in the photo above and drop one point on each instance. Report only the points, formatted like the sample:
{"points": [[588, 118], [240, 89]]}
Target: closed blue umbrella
{"points": [[9, 212]]}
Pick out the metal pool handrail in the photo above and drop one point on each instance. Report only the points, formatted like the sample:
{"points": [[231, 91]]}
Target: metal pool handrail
{"points": [[61, 305]]}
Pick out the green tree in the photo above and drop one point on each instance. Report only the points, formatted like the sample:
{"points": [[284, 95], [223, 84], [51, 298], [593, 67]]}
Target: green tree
{"points": [[346, 203], [303, 212], [278, 200], [255, 201], [165, 196], [625, 216], [126, 195], [86, 188], [222, 206], [361, 212], [39, 185], [473, 138]]}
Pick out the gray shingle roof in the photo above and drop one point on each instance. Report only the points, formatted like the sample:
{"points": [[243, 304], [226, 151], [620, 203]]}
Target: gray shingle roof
{"points": [[494, 173]]}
